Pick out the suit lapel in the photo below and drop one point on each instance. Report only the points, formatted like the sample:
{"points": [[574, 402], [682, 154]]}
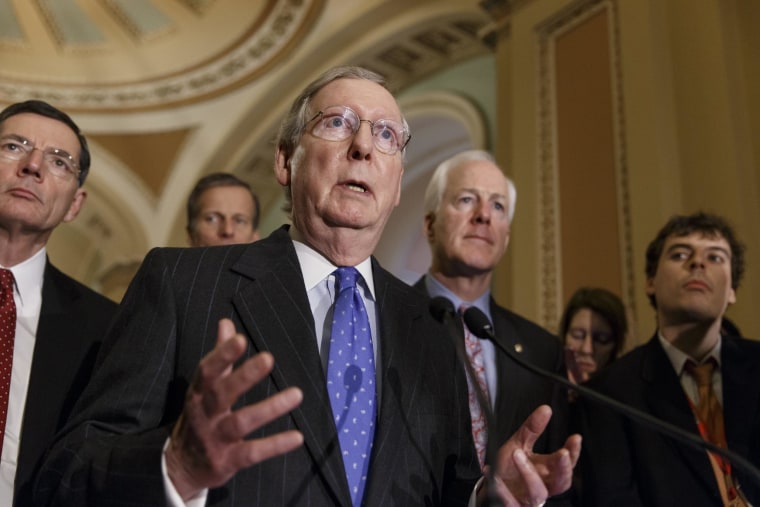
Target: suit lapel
{"points": [[277, 286], [400, 355], [508, 374], [740, 398], [53, 351], [667, 401]]}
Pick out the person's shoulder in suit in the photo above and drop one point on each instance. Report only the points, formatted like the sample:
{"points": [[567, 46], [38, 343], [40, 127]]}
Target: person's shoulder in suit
{"points": [[533, 335], [96, 309], [621, 377], [78, 288], [752, 346]]}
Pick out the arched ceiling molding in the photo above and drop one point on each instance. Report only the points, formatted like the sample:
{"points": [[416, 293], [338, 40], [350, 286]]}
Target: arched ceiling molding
{"points": [[442, 124], [112, 227], [433, 114], [247, 42], [123, 196]]}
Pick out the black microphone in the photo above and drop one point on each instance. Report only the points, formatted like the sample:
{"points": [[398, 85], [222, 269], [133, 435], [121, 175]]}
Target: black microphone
{"points": [[443, 311], [478, 323]]}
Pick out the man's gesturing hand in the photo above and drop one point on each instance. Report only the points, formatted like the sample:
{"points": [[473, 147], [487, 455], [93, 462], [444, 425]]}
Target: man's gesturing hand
{"points": [[207, 444]]}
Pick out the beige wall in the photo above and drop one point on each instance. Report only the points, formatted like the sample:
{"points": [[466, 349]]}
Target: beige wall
{"points": [[613, 116]]}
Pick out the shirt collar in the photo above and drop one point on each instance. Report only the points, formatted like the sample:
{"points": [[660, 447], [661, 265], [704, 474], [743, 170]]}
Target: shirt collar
{"points": [[315, 268], [29, 275], [678, 358], [436, 288]]}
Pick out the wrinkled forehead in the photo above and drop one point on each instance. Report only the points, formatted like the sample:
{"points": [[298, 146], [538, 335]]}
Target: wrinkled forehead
{"points": [[42, 132], [481, 175], [367, 98]]}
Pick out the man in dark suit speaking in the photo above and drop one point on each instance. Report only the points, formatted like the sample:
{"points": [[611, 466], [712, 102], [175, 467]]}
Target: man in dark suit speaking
{"points": [[469, 206], [54, 324], [693, 266], [242, 429]]}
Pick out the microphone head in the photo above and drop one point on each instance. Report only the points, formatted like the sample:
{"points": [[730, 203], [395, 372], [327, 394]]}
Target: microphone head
{"points": [[440, 307], [478, 323]]}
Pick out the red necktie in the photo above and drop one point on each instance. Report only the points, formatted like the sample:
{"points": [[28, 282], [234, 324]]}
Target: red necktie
{"points": [[7, 336]]}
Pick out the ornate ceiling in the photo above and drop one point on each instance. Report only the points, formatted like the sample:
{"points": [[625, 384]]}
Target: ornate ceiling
{"points": [[168, 90]]}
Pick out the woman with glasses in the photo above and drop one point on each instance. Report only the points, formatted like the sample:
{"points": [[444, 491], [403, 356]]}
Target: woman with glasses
{"points": [[593, 329]]}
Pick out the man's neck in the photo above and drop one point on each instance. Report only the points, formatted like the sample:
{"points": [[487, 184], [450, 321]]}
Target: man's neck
{"points": [[344, 247], [17, 247], [695, 339], [467, 288]]}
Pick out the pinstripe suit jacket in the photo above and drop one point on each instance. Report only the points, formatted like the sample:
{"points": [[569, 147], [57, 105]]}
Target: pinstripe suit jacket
{"points": [[73, 320], [520, 391], [110, 455], [626, 464]]}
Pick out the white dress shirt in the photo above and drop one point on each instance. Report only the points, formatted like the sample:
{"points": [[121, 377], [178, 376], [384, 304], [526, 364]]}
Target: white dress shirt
{"points": [[320, 288], [28, 298]]}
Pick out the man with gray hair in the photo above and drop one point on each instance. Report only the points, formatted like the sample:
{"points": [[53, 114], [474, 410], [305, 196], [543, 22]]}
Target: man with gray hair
{"points": [[188, 405], [469, 206]]}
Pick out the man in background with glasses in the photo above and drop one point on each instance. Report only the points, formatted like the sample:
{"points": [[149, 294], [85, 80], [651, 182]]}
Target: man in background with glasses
{"points": [[51, 325], [292, 332]]}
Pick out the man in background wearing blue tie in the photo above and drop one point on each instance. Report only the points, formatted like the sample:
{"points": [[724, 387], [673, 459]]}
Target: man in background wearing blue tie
{"points": [[348, 338]]}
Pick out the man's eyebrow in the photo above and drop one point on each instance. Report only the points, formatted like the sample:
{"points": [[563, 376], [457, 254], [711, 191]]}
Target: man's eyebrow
{"points": [[719, 249], [490, 195], [692, 247], [16, 137], [680, 245]]}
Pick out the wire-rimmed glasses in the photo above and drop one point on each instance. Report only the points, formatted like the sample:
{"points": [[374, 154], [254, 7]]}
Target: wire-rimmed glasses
{"points": [[57, 162], [338, 123]]}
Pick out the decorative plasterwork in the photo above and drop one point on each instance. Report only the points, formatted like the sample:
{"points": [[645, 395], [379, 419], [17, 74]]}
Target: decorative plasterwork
{"points": [[267, 39], [407, 58], [548, 173]]}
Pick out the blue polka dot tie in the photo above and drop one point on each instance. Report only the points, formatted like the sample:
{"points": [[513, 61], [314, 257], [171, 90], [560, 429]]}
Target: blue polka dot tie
{"points": [[351, 380]]}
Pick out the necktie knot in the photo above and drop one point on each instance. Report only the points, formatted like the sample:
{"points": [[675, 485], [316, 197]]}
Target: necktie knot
{"points": [[6, 286], [346, 277], [702, 373]]}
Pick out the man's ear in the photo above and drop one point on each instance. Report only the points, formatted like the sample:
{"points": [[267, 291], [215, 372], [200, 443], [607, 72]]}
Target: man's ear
{"points": [[427, 226], [649, 286], [732, 296], [282, 167], [76, 205]]}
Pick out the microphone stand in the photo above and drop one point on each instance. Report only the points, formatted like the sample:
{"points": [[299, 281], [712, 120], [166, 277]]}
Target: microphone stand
{"points": [[443, 310], [478, 323]]}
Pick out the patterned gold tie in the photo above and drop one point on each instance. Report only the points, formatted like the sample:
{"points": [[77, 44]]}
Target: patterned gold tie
{"points": [[709, 415]]}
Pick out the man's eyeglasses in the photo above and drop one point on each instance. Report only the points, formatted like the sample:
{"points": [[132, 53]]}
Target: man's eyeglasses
{"points": [[338, 123], [56, 161]]}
